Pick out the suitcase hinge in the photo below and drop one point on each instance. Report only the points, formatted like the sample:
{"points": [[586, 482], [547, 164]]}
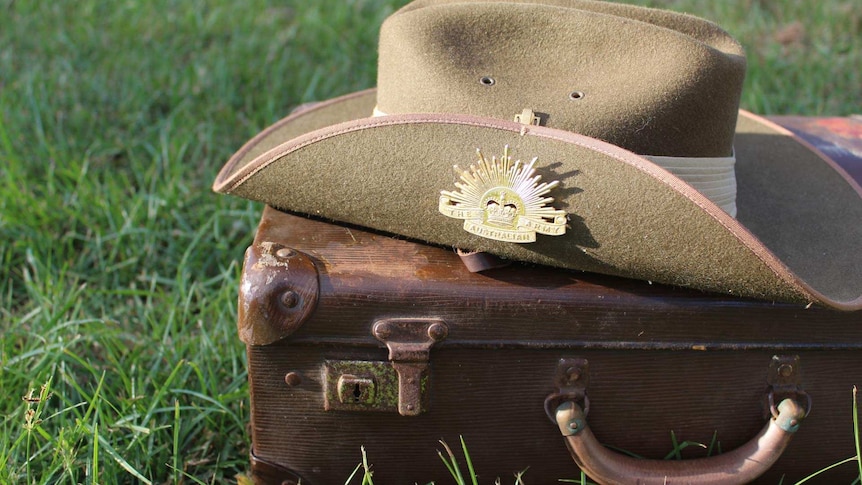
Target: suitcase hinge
{"points": [[409, 342]]}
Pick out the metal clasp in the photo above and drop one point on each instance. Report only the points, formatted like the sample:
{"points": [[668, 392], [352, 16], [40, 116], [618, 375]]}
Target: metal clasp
{"points": [[409, 342], [528, 117], [400, 384]]}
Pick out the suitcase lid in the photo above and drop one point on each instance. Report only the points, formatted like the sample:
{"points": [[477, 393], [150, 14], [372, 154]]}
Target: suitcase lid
{"points": [[323, 283]]}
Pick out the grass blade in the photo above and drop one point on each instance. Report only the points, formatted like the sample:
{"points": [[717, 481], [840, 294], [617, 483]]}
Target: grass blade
{"points": [[366, 477], [355, 471], [469, 461], [678, 447], [96, 440], [519, 477], [448, 464], [121, 461], [176, 463], [452, 465], [823, 470], [856, 433], [712, 444]]}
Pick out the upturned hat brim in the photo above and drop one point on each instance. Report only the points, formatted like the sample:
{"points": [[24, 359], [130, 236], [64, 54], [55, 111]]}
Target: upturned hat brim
{"points": [[797, 235]]}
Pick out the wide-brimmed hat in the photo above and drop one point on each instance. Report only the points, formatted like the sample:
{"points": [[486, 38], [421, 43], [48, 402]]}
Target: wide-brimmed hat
{"points": [[573, 133]]}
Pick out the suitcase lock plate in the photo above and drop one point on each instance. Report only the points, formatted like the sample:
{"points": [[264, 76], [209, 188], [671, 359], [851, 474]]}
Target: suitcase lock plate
{"points": [[401, 384]]}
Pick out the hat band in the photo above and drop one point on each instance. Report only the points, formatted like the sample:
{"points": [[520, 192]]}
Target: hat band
{"points": [[714, 177]]}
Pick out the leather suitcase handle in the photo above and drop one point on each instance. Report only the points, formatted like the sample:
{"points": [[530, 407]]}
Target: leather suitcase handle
{"points": [[741, 465]]}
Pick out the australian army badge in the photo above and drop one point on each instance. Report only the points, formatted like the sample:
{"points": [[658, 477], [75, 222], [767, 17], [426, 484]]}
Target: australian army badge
{"points": [[503, 200]]}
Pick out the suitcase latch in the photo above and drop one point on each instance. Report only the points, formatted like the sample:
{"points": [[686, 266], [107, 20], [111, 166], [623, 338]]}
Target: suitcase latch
{"points": [[402, 384], [409, 342]]}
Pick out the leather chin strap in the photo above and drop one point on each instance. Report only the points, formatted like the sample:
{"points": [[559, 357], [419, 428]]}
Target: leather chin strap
{"points": [[478, 261]]}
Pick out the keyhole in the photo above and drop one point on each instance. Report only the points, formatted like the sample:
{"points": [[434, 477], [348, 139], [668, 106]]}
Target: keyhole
{"points": [[357, 393]]}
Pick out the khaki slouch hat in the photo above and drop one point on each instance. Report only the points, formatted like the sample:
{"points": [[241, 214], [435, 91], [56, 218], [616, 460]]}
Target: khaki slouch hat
{"points": [[578, 134]]}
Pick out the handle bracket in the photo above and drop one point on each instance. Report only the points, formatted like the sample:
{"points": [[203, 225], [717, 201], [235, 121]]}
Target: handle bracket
{"points": [[571, 380]]}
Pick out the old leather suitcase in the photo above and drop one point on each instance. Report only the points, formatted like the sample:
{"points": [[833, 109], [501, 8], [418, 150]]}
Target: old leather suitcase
{"points": [[357, 339]]}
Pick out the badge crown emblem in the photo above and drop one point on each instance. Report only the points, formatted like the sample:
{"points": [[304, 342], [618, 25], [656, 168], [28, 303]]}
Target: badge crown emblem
{"points": [[501, 215], [503, 200]]}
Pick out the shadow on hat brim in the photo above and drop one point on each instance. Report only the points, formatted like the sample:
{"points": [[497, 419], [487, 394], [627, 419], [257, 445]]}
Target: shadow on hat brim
{"points": [[797, 236]]}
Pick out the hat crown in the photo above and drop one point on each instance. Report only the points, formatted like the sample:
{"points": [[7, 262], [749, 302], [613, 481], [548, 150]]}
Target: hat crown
{"points": [[651, 81]]}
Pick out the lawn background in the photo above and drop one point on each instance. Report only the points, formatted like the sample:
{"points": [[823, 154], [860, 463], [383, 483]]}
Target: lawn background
{"points": [[119, 361]]}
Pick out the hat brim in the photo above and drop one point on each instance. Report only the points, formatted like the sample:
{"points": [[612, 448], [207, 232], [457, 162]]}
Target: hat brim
{"points": [[797, 235]]}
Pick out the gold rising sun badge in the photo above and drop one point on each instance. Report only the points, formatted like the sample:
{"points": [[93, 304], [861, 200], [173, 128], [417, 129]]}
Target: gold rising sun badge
{"points": [[504, 201]]}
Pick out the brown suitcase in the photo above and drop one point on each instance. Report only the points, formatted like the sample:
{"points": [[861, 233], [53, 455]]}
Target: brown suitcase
{"points": [[356, 339]]}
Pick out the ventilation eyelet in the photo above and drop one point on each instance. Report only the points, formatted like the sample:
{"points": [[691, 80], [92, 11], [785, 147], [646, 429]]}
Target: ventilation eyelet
{"points": [[487, 81], [575, 95]]}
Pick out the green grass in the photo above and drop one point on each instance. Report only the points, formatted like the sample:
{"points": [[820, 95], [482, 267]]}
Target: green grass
{"points": [[119, 360]]}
